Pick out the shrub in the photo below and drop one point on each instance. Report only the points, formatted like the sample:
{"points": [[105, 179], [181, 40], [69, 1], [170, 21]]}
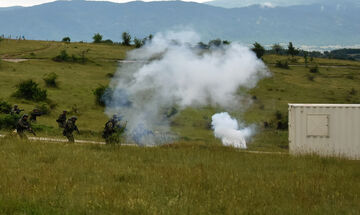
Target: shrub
{"points": [[44, 109], [108, 41], [5, 107], [66, 39], [8, 121], [314, 69], [63, 56], [281, 121], [138, 43], [30, 90], [50, 79], [102, 94], [283, 65]]}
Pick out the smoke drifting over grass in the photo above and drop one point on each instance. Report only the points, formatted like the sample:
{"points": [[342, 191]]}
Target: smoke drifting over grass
{"points": [[229, 131], [171, 71]]}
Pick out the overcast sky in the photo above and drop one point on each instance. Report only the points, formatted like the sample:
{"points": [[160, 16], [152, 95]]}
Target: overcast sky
{"points": [[8, 3]]}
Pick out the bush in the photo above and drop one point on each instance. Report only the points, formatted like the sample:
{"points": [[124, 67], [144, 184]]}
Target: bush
{"points": [[29, 90], [50, 79], [283, 65], [44, 109], [5, 107], [63, 56], [102, 94], [66, 39], [138, 43], [8, 121], [281, 120], [314, 69], [108, 41]]}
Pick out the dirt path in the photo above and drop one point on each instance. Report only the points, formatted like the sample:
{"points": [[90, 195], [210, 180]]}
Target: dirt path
{"points": [[18, 60], [55, 140]]}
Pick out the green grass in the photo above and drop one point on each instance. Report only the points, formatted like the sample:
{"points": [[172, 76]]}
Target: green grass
{"points": [[183, 178], [333, 84], [196, 175]]}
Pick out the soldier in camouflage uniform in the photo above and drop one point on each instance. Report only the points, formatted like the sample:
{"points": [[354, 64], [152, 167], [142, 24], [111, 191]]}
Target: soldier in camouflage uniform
{"points": [[62, 119], [35, 113], [16, 110], [69, 128], [22, 126], [110, 127]]}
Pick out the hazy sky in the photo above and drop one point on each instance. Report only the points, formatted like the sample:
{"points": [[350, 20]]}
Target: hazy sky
{"points": [[8, 3]]}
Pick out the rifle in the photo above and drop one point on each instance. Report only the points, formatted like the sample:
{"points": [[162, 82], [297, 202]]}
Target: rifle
{"points": [[77, 130], [32, 131], [18, 111]]}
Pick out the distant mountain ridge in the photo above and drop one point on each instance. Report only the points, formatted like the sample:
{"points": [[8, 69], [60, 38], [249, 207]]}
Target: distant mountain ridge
{"points": [[276, 3], [314, 24]]}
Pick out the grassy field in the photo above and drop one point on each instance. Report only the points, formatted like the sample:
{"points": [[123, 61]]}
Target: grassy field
{"points": [[181, 178], [336, 82], [194, 176]]}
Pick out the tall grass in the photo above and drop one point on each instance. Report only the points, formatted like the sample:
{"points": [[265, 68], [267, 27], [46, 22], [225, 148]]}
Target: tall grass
{"points": [[187, 178]]}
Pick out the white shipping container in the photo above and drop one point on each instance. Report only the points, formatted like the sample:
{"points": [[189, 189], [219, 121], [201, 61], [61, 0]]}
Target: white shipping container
{"points": [[325, 129]]}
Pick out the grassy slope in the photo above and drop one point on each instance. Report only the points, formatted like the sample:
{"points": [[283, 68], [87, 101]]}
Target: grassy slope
{"points": [[332, 85], [190, 177], [176, 179]]}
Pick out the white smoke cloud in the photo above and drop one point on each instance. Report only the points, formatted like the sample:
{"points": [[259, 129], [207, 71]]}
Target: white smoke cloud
{"points": [[173, 72], [229, 131]]}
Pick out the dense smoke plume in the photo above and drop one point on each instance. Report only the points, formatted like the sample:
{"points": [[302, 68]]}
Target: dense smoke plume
{"points": [[173, 71], [229, 131]]}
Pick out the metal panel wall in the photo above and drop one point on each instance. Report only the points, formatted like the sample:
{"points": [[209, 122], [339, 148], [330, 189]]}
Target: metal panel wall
{"points": [[342, 139]]}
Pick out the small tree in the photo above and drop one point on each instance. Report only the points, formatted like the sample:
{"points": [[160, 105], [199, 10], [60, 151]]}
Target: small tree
{"points": [[258, 49], [138, 43], [215, 43], [291, 50], [126, 37], [97, 38], [277, 48], [66, 39]]}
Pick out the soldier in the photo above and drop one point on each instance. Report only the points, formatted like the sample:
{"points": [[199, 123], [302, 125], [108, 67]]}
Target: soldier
{"points": [[16, 110], [110, 127], [62, 119], [35, 113], [69, 128], [22, 126]]}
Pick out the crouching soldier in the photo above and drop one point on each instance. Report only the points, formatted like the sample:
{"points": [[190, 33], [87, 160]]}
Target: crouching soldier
{"points": [[16, 110], [69, 128], [35, 113], [62, 119], [22, 126]]}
